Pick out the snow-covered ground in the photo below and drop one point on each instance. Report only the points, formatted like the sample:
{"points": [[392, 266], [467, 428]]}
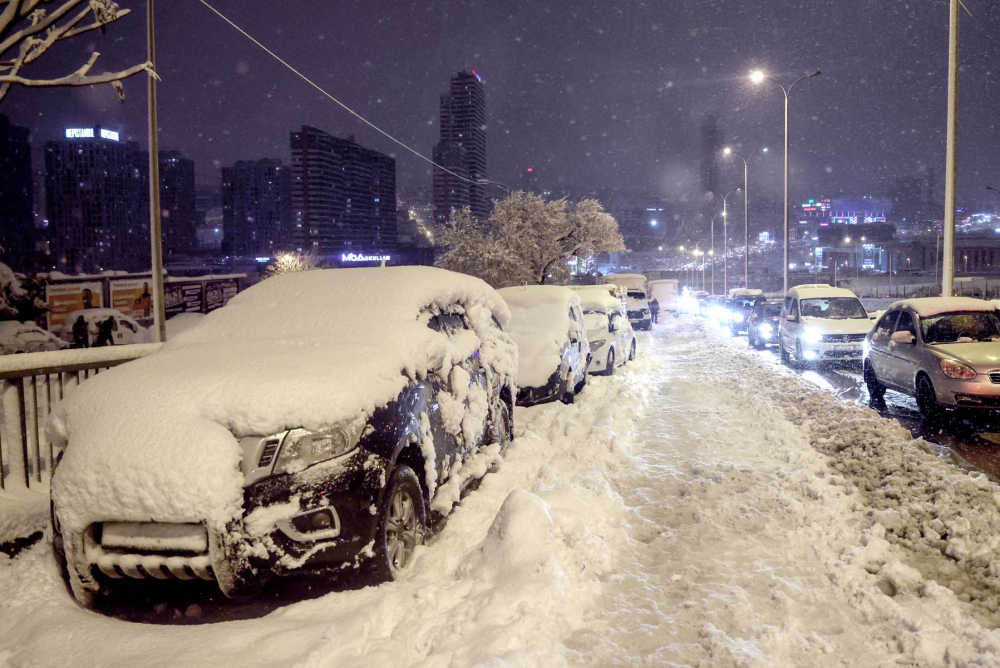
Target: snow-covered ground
{"points": [[703, 507]]}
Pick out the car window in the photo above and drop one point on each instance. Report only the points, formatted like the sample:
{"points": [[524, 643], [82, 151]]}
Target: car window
{"points": [[787, 306], [771, 310], [905, 323], [884, 326], [448, 323], [961, 328], [834, 308], [794, 308]]}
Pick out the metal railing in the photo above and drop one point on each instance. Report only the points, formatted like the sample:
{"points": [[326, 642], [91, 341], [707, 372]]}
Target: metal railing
{"points": [[31, 385]]}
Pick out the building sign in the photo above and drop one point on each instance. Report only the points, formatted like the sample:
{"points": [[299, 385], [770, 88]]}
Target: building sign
{"points": [[64, 298], [109, 134], [361, 257], [88, 133], [219, 292], [183, 298], [133, 297]]}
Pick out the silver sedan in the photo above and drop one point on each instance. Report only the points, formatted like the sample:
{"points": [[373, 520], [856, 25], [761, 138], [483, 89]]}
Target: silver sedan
{"points": [[942, 351]]}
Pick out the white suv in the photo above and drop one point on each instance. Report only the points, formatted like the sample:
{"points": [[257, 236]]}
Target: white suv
{"points": [[820, 323]]}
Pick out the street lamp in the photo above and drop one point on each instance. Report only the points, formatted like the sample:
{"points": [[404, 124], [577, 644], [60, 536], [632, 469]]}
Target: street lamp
{"points": [[725, 243], [746, 216], [757, 77]]}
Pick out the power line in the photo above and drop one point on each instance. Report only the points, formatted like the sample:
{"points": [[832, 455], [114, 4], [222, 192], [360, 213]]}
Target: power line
{"points": [[344, 106]]}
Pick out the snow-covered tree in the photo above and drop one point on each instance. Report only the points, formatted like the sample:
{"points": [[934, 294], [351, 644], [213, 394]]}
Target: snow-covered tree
{"points": [[21, 299], [286, 263], [29, 28], [527, 240]]}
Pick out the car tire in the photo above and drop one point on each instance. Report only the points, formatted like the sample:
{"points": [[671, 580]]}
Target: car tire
{"points": [[800, 360], [609, 370], [631, 352], [401, 526], [569, 393], [785, 357], [876, 390], [927, 402], [582, 384]]}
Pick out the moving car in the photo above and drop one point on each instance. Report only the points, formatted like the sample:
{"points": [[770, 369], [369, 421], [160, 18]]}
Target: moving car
{"points": [[124, 329], [312, 424], [821, 323], [666, 292], [611, 338], [944, 351], [739, 306], [553, 353], [714, 308], [763, 323]]}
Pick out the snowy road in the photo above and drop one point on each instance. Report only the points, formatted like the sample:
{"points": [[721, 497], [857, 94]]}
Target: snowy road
{"points": [[704, 508]]}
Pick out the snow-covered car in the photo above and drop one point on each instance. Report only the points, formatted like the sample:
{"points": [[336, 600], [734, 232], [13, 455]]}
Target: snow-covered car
{"points": [[124, 329], [740, 305], [763, 323], [611, 337], [665, 292], [821, 323], [944, 351], [27, 337], [553, 353], [637, 309], [312, 424]]}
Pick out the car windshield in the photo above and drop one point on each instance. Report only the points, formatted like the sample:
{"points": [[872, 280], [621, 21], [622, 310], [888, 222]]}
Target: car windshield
{"points": [[595, 320], [772, 310], [961, 328], [834, 308], [636, 294], [745, 303]]}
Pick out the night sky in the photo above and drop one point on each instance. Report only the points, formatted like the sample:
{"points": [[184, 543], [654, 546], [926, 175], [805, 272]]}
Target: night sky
{"points": [[592, 94]]}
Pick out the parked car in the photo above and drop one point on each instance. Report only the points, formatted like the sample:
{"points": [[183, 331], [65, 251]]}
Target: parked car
{"points": [[124, 329], [666, 292], [312, 424], [763, 323], [821, 323], [611, 338], [740, 304], [637, 309], [27, 337], [944, 351], [553, 353]]}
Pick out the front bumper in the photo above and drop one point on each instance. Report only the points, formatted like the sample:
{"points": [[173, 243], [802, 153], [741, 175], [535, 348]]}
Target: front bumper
{"points": [[641, 323], [832, 352], [551, 391], [978, 392], [599, 359]]}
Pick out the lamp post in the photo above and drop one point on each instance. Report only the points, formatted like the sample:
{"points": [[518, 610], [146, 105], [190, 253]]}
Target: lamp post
{"points": [[746, 215], [725, 243], [155, 230], [711, 251], [757, 76]]}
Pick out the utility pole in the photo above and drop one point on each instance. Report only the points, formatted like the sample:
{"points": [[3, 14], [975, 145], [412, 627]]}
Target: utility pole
{"points": [[155, 233], [948, 266]]}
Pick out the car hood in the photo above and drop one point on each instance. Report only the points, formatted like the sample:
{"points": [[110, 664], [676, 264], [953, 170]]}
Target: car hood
{"points": [[982, 355], [846, 326]]}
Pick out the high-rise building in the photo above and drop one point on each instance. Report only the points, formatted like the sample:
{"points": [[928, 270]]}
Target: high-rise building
{"points": [[343, 195], [711, 143], [178, 213], [256, 207], [97, 201], [462, 149], [16, 196]]}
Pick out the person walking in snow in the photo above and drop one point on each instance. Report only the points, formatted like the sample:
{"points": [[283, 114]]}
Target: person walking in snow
{"points": [[654, 310], [105, 336], [81, 337]]}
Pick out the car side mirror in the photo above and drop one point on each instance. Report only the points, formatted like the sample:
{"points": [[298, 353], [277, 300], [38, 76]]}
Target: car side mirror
{"points": [[790, 317], [903, 337]]}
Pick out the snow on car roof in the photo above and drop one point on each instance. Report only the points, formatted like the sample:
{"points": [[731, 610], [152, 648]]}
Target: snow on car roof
{"points": [[540, 325], [820, 291], [928, 307], [596, 297], [156, 439], [745, 292]]}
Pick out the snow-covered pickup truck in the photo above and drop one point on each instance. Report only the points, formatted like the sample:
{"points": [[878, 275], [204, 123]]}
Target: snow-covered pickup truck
{"points": [[311, 424]]}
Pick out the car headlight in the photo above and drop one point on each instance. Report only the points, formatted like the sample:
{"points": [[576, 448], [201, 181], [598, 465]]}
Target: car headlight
{"points": [[766, 330], [301, 448], [812, 336], [596, 345], [957, 370]]}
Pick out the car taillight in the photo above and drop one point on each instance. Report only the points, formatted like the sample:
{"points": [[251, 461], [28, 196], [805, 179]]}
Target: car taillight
{"points": [[957, 370]]}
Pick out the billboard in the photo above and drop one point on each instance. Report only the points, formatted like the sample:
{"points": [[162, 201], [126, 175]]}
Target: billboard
{"points": [[133, 297], [219, 292], [182, 298], [64, 298]]}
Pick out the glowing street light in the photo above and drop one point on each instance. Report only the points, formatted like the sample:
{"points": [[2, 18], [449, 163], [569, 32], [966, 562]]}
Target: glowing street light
{"points": [[725, 243], [757, 77], [746, 215]]}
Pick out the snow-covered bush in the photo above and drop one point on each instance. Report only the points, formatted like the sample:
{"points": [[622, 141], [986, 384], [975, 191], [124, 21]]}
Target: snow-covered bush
{"points": [[20, 298], [287, 263], [527, 240]]}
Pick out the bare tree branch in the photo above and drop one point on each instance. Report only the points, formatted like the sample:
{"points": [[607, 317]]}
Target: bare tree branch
{"points": [[80, 78]]}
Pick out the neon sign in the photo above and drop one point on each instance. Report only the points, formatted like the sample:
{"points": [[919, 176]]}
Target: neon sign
{"points": [[79, 133], [361, 257], [109, 134]]}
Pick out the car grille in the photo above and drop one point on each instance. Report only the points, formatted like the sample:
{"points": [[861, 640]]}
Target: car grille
{"points": [[843, 338], [267, 455], [995, 376], [150, 550]]}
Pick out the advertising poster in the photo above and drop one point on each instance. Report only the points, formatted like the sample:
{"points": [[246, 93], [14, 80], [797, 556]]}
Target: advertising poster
{"points": [[133, 297], [64, 298], [218, 293], [182, 298]]}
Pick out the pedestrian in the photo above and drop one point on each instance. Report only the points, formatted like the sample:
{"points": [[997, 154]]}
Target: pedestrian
{"points": [[654, 310], [81, 337], [105, 335]]}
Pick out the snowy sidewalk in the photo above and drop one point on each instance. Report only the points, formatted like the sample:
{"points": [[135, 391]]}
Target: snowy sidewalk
{"points": [[703, 507]]}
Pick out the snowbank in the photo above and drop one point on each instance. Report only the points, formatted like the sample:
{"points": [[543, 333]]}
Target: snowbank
{"points": [[541, 326], [22, 513], [928, 307]]}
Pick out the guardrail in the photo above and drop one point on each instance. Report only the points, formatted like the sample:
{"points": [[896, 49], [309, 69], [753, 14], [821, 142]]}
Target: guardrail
{"points": [[31, 384]]}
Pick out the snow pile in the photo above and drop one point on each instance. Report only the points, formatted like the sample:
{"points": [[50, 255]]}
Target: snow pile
{"points": [[541, 326], [22, 513], [928, 307], [26, 337]]}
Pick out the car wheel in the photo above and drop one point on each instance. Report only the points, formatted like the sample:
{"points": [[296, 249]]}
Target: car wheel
{"points": [[927, 402], [401, 524], [610, 369], [569, 391], [876, 390], [800, 360], [785, 358], [631, 351], [582, 384]]}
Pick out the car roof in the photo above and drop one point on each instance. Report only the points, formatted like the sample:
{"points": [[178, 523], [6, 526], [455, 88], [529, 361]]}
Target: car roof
{"points": [[818, 291]]}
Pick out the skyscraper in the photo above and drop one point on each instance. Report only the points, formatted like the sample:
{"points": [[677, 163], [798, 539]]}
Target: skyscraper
{"points": [[462, 149], [711, 143], [343, 195], [97, 201], [256, 207], [16, 196], [177, 202]]}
